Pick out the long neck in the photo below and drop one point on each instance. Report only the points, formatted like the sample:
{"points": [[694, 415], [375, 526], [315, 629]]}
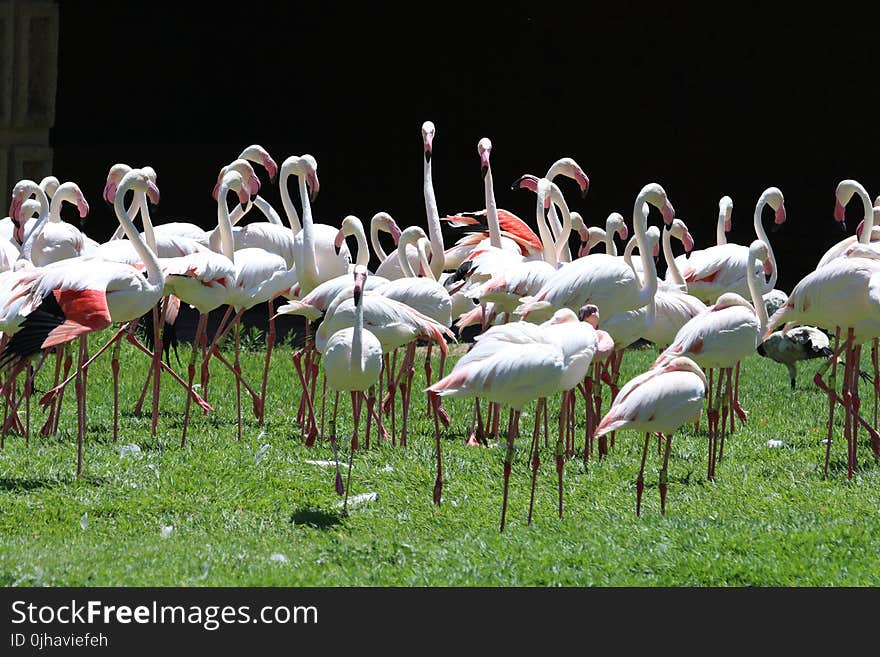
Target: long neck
{"points": [[146, 220], [154, 274], [868, 226], [308, 230], [374, 241], [670, 259], [363, 250], [37, 228], [492, 211], [405, 266], [640, 227], [287, 203], [423, 260], [357, 338], [627, 257], [564, 232], [133, 209], [610, 245], [55, 208], [544, 231], [224, 225], [553, 218], [720, 235], [762, 235], [435, 233], [757, 299]]}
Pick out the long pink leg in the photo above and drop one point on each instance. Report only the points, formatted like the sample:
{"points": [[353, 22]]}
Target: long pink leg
{"points": [[270, 343], [340, 488], [47, 425], [219, 333], [534, 457], [197, 398], [406, 389], [356, 412], [240, 380], [80, 404], [434, 398], [737, 407], [832, 383], [310, 432], [508, 465], [726, 403], [640, 480], [191, 370], [663, 474], [157, 358], [475, 436], [875, 360]]}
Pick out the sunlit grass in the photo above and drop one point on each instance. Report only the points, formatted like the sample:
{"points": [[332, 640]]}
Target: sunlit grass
{"points": [[255, 512]]}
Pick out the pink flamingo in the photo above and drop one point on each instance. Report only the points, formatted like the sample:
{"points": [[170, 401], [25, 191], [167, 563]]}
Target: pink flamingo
{"points": [[845, 294], [721, 336], [660, 400]]}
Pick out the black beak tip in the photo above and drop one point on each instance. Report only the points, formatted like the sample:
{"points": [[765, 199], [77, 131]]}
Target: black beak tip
{"points": [[843, 226], [427, 156], [775, 227], [484, 171], [516, 183], [584, 192]]}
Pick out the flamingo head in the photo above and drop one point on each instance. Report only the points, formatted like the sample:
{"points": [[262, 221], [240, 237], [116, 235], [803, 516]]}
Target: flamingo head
{"points": [[258, 154], [232, 181], [484, 148], [394, 230], [595, 235], [589, 314], [427, 138], [725, 209], [574, 171], [117, 171], [50, 185], [680, 231], [137, 180], [616, 224], [250, 181], [526, 181], [577, 223], [758, 251], [346, 229], [81, 204], [311, 171], [360, 279]]}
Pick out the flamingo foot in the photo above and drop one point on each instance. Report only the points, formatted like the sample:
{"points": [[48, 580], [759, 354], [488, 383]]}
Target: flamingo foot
{"points": [[740, 412]]}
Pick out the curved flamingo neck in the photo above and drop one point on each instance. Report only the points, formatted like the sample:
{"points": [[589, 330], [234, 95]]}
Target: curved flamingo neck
{"points": [[154, 273], [224, 223], [640, 227], [435, 232], [720, 233], [670, 259], [374, 241], [757, 298], [762, 235], [356, 228], [421, 245], [35, 231], [553, 219], [610, 244], [548, 254], [262, 205], [63, 193], [565, 230], [868, 226], [357, 342], [287, 203], [133, 210], [408, 238], [308, 239]]}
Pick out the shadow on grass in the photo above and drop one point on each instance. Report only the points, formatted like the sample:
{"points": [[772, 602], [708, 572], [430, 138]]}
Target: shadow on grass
{"points": [[316, 518], [23, 484]]}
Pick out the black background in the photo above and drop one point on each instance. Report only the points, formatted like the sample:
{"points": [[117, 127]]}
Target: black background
{"points": [[706, 100]]}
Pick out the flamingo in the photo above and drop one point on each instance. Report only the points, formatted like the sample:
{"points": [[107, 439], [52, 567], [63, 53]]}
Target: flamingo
{"points": [[718, 269], [58, 239], [353, 362], [868, 229], [515, 363], [389, 266], [47, 185], [660, 400], [614, 225], [725, 209], [845, 294], [721, 336], [568, 167]]}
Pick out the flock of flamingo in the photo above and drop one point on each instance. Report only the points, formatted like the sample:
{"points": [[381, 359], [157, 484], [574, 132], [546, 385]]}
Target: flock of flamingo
{"points": [[547, 321]]}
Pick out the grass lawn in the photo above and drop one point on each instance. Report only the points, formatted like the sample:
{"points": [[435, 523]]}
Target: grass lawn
{"points": [[256, 513]]}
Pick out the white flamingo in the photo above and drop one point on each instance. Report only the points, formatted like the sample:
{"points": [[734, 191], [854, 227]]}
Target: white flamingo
{"points": [[660, 400]]}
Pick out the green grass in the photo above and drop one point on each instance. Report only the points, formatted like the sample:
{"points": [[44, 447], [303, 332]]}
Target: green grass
{"points": [[769, 519]]}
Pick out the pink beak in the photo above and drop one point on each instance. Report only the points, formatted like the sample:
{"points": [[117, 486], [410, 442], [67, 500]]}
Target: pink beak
{"points": [[668, 213], [271, 166], [395, 231], [768, 267], [727, 225], [83, 207], [839, 212], [152, 192], [624, 232], [340, 238], [109, 191], [688, 241], [15, 206], [780, 215], [243, 196]]}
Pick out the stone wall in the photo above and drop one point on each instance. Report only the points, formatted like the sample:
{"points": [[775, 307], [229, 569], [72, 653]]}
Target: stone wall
{"points": [[28, 81]]}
